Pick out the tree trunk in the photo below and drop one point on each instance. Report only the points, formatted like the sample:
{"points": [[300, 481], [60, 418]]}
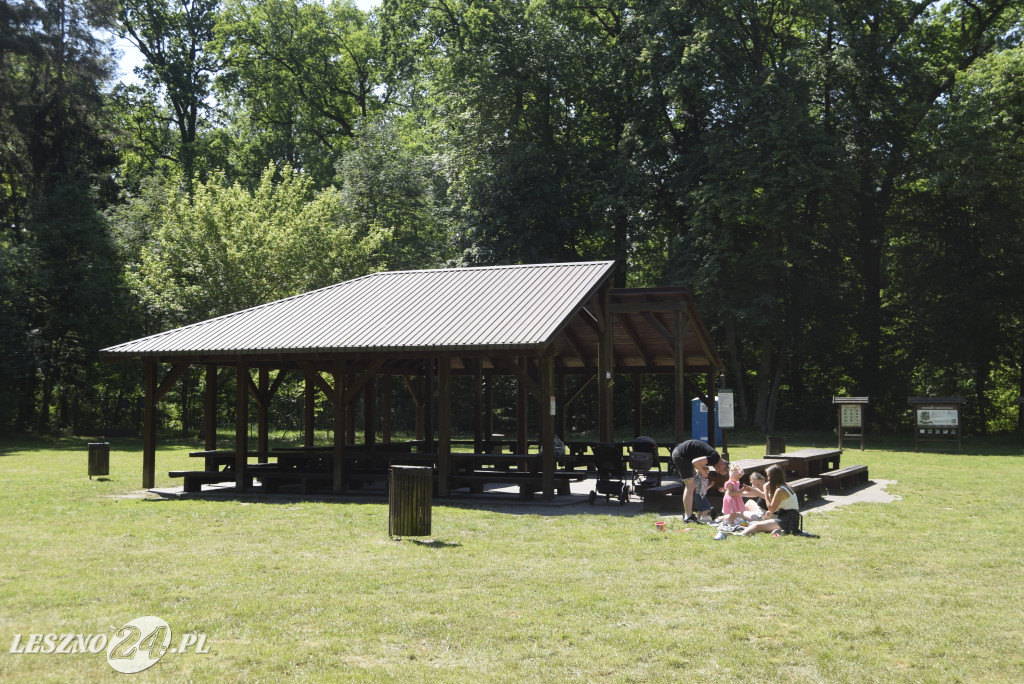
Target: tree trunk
{"points": [[740, 404], [773, 396], [763, 385], [1020, 391], [981, 372]]}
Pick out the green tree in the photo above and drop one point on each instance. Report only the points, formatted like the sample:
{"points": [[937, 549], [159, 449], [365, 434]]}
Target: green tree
{"points": [[56, 270], [895, 62], [390, 185], [957, 267], [229, 248], [300, 78], [174, 37]]}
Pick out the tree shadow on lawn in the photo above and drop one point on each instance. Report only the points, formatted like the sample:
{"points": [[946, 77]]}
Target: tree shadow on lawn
{"points": [[573, 504]]}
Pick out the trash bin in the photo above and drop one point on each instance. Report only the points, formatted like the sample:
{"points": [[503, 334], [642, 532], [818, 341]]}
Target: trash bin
{"points": [[410, 496], [99, 459], [774, 445]]}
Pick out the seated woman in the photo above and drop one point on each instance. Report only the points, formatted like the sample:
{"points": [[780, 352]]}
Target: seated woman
{"points": [[783, 506]]}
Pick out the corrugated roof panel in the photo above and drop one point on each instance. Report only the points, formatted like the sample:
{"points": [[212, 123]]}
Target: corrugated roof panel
{"points": [[445, 308]]}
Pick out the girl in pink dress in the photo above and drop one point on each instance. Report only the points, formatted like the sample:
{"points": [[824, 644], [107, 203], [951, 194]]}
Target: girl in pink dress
{"points": [[732, 501]]}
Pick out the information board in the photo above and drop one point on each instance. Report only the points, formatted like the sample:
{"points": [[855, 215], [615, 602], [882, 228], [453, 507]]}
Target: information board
{"points": [[935, 417], [726, 412], [850, 415]]}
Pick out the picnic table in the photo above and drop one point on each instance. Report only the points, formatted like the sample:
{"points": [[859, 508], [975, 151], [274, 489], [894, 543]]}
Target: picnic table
{"points": [[758, 465], [495, 446], [811, 462]]}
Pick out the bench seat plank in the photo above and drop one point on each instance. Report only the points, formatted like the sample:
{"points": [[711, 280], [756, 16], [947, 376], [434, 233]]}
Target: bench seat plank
{"points": [[806, 488], [845, 478], [195, 479]]}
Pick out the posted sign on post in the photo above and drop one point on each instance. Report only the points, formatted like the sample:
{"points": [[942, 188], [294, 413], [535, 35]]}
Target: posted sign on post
{"points": [[937, 419], [726, 412], [851, 418]]}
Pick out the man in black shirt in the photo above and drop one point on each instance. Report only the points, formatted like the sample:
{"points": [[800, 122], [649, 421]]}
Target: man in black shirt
{"points": [[692, 454]]}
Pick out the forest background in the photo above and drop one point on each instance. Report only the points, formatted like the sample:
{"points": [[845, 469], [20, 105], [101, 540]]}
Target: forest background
{"points": [[837, 182]]}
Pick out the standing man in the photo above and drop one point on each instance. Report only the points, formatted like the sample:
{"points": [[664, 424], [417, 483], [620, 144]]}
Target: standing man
{"points": [[691, 454]]}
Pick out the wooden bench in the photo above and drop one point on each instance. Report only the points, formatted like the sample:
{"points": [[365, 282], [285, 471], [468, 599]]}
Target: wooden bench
{"points": [[528, 483], [806, 488], [667, 497], [272, 479], [845, 478], [195, 479]]}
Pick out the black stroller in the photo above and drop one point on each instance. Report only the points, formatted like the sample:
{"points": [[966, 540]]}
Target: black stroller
{"points": [[643, 456], [611, 473]]}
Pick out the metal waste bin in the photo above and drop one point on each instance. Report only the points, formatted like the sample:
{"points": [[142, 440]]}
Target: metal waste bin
{"points": [[410, 496], [99, 459]]}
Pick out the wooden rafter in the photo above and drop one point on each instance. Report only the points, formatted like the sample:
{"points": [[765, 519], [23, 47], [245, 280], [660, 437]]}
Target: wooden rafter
{"points": [[662, 330], [576, 345], [168, 382], [524, 377], [318, 380], [630, 329], [358, 383]]}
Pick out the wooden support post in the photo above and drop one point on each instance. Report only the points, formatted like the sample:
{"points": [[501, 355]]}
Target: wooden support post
{"points": [[429, 386], [478, 406], [560, 408], [210, 408], [308, 425], [638, 391], [263, 414], [340, 437], [605, 382], [489, 406], [154, 393], [522, 423], [416, 392], [444, 424], [350, 411], [241, 425], [149, 426], [547, 427], [679, 378], [385, 409], [370, 413]]}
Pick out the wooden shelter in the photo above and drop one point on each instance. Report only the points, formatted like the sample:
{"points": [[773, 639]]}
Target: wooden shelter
{"points": [[533, 322]]}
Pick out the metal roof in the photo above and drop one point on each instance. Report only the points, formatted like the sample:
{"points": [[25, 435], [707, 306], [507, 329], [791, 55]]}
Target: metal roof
{"points": [[456, 309]]}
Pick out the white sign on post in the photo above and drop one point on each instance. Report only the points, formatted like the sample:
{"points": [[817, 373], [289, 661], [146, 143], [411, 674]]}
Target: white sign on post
{"points": [[938, 417], [850, 415], [726, 412]]}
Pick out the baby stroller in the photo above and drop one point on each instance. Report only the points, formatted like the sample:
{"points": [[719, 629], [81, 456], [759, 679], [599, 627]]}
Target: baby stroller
{"points": [[643, 456], [611, 471]]}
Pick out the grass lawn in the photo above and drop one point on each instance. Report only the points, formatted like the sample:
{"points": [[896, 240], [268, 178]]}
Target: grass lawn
{"points": [[929, 588]]}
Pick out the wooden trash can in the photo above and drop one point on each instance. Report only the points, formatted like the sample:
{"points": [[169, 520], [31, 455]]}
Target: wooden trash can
{"points": [[410, 497], [99, 459], [774, 445]]}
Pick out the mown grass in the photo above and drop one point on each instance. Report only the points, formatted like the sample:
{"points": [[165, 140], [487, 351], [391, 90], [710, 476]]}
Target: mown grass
{"points": [[927, 588]]}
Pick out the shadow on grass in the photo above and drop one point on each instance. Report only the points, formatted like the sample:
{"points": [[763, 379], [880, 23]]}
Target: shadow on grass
{"points": [[432, 543], [574, 505]]}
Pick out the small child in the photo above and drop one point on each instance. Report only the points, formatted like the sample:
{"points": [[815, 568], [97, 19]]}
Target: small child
{"points": [[732, 500], [701, 505], [756, 506]]}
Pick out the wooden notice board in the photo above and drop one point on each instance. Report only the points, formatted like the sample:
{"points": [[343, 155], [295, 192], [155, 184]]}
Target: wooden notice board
{"points": [[937, 419], [851, 420]]}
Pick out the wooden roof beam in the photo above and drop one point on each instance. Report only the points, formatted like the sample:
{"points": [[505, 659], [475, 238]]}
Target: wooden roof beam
{"points": [[662, 330], [630, 329]]}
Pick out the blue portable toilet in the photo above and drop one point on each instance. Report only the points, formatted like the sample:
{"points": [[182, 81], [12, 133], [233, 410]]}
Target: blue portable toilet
{"points": [[699, 422]]}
